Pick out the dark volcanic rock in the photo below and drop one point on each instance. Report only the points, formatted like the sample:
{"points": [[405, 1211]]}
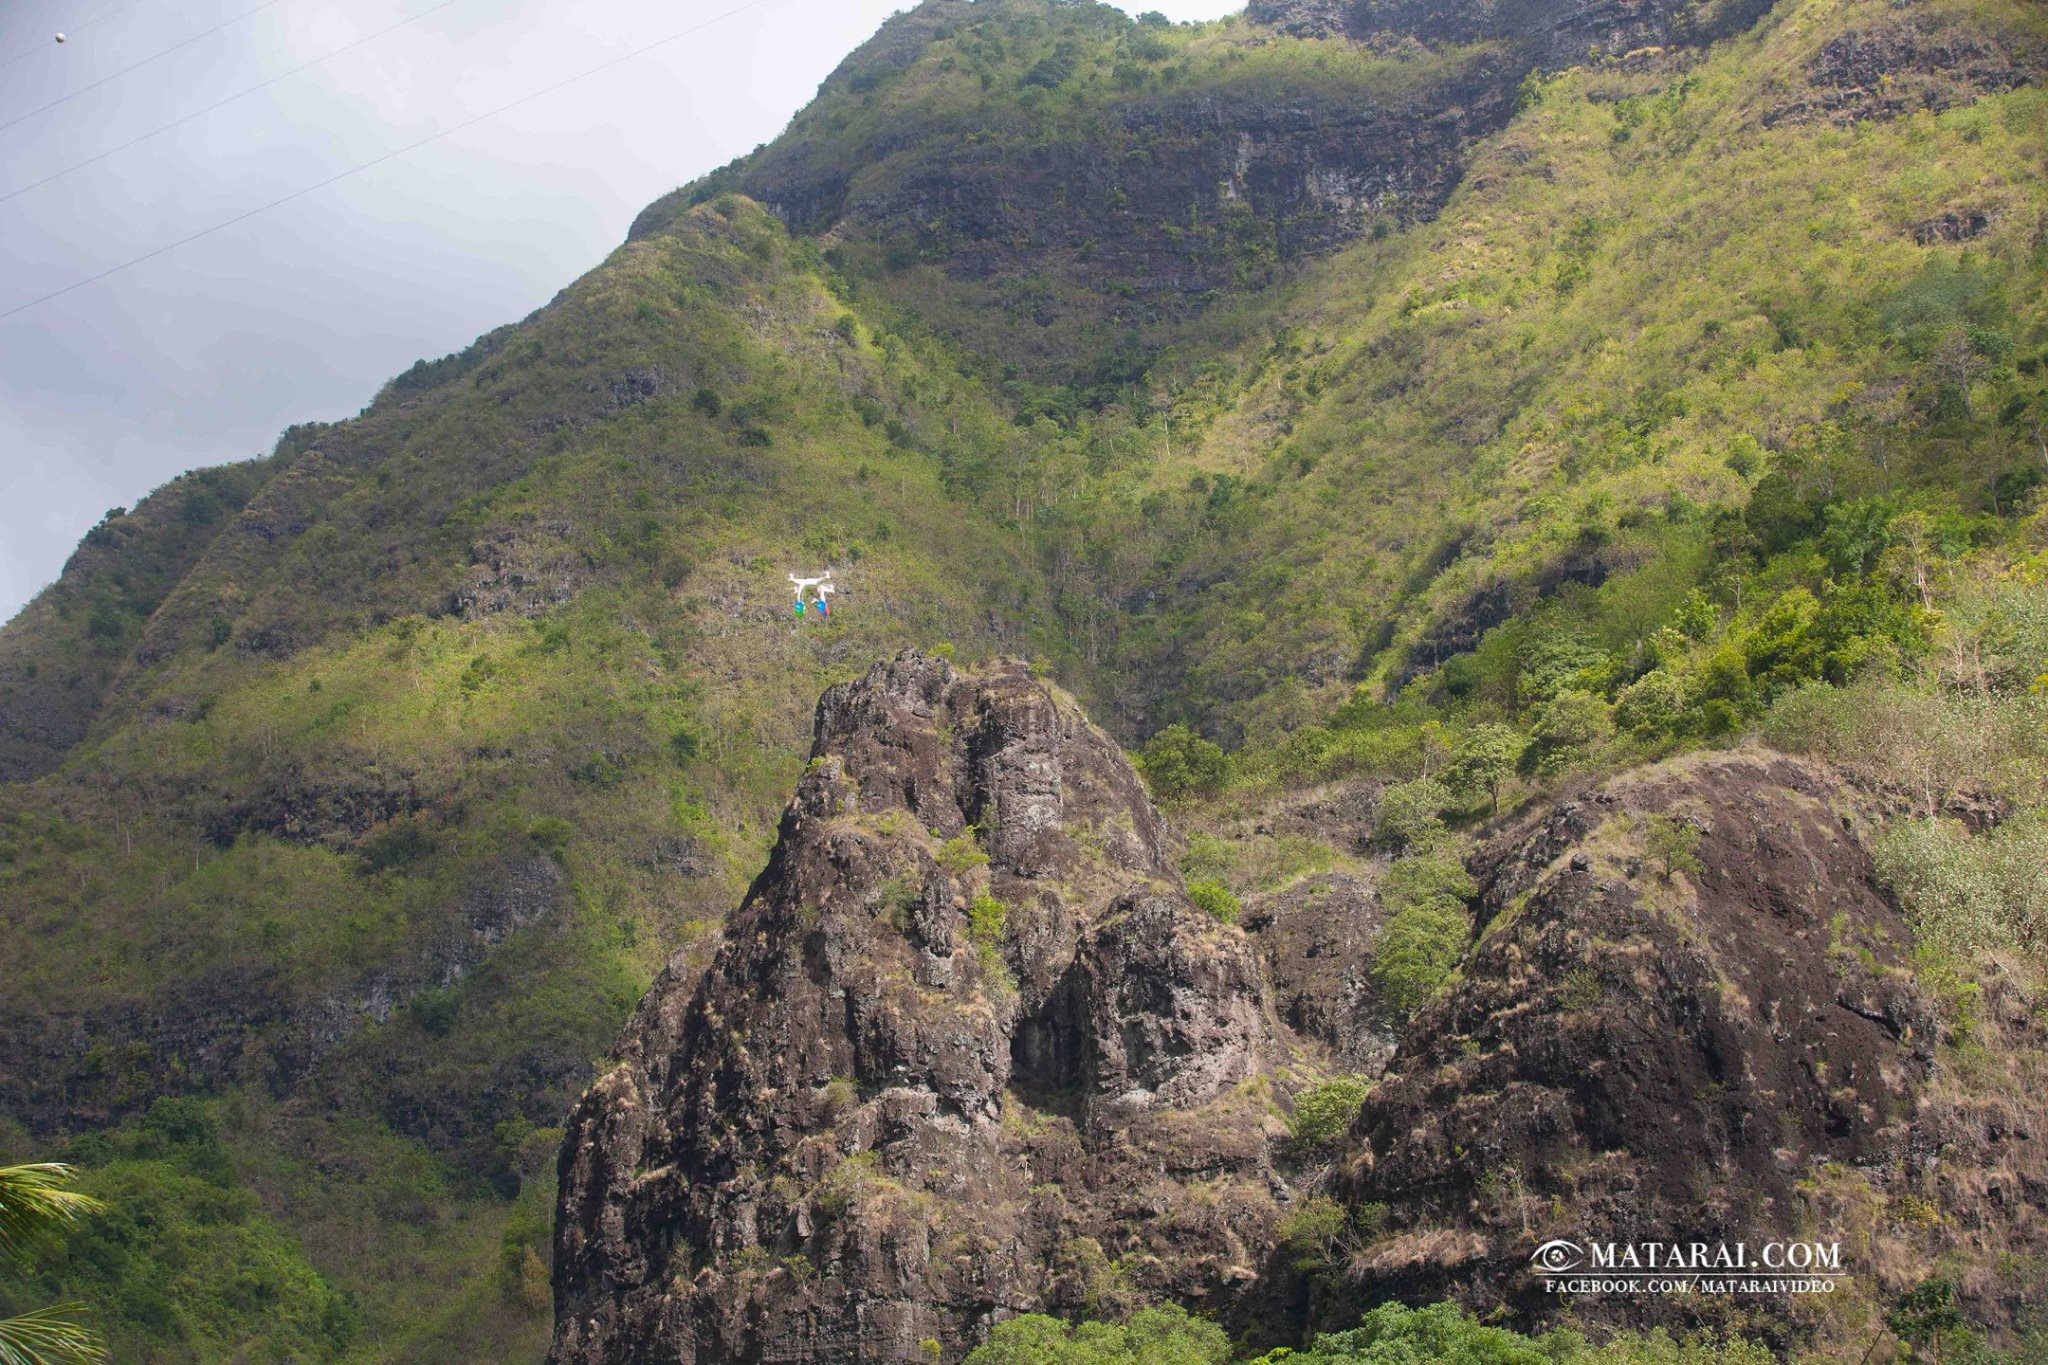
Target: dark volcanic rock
{"points": [[1162, 199], [890, 1114], [1551, 32], [530, 570], [291, 803], [1315, 939], [250, 1022], [1889, 70], [1303, 171], [1343, 815], [1303, 18], [1459, 630], [1955, 225], [1629, 1056]]}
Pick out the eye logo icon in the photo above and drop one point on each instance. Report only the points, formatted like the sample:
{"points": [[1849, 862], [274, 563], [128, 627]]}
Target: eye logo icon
{"points": [[1557, 1257]]}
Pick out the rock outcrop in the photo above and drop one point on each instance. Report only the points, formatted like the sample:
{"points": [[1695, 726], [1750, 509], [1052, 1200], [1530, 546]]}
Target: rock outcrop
{"points": [[966, 1044], [1687, 1000], [1158, 194], [1548, 33], [1889, 70], [1171, 197], [1303, 18], [1315, 939], [969, 1051], [251, 1023]]}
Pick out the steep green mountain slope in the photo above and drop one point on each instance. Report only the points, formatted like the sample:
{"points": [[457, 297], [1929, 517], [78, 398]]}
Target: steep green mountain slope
{"points": [[1339, 386], [478, 710], [1670, 290]]}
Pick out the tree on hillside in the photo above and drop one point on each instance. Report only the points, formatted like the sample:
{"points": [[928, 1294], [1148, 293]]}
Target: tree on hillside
{"points": [[34, 1207], [1566, 731], [1486, 759], [1924, 1315], [1957, 363], [1180, 763], [1410, 817], [1395, 1334], [1652, 706], [2027, 413], [1153, 1336]]}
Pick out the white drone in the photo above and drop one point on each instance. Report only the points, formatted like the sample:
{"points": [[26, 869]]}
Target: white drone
{"points": [[819, 586]]}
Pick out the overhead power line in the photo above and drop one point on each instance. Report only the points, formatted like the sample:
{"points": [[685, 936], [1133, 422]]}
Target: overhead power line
{"points": [[379, 160], [146, 61], [81, 26], [222, 103]]}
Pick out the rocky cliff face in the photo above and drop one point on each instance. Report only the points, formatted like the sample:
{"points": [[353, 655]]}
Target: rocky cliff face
{"points": [[1889, 70], [1153, 191], [1646, 1045], [1311, 167], [1315, 940], [1136, 211], [968, 1051], [255, 1024], [966, 1043], [1552, 34]]}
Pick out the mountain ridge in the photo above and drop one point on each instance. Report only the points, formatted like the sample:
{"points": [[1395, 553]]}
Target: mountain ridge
{"points": [[1540, 416]]}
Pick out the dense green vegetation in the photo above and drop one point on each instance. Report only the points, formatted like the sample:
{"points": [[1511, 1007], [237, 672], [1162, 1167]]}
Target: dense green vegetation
{"points": [[1168, 1336], [1392, 1334], [183, 1264], [1324, 1112], [1445, 1334], [1764, 484], [58, 657], [1922, 1322], [1671, 430]]}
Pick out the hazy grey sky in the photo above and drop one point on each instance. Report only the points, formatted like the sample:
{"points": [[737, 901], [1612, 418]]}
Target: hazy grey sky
{"points": [[203, 354]]}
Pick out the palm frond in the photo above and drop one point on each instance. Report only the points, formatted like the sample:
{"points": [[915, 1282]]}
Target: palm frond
{"points": [[50, 1336], [35, 1203]]}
